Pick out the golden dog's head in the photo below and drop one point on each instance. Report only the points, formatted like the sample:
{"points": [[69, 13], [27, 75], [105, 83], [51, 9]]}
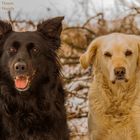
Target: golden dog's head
{"points": [[116, 54]]}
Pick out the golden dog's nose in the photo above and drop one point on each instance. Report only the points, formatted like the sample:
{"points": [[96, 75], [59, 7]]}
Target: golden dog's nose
{"points": [[119, 71]]}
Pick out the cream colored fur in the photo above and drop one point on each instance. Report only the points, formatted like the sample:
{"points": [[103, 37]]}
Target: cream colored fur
{"points": [[114, 108]]}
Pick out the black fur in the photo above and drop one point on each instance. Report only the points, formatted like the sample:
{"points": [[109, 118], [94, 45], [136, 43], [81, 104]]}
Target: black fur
{"points": [[37, 113]]}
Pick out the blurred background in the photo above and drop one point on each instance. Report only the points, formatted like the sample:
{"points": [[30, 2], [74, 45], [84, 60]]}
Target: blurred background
{"points": [[84, 21]]}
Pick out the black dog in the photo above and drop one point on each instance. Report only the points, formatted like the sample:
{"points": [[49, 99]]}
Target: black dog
{"points": [[31, 92]]}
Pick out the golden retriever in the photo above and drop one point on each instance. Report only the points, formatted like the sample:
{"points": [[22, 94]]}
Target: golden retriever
{"points": [[114, 95]]}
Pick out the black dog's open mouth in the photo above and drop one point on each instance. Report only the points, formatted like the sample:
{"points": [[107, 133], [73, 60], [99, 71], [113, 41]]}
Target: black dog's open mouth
{"points": [[22, 82]]}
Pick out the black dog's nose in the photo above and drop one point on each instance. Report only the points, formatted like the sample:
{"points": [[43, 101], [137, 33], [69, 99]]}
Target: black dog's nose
{"points": [[120, 71], [20, 67]]}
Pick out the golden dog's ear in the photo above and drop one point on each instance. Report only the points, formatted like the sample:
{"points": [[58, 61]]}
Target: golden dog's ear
{"points": [[138, 63], [87, 57], [137, 41]]}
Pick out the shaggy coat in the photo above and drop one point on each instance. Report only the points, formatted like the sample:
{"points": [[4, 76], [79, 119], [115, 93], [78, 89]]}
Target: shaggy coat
{"points": [[114, 98], [36, 112]]}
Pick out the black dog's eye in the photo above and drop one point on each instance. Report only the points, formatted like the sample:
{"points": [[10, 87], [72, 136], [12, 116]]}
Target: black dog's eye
{"points": [[107, 54], [35, 50], [128, 53], [12, 50]]}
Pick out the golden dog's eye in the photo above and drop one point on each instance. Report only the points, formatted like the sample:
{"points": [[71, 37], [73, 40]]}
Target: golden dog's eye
{"points": [[128, 53], [107, 54]]}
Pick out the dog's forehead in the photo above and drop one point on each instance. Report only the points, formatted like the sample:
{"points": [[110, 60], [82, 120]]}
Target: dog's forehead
{"points": [[119, 43], [24, 37]]}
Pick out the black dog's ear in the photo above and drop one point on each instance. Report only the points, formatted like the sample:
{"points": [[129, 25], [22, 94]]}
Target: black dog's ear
{"points": [[51, 27], [4, 28]]}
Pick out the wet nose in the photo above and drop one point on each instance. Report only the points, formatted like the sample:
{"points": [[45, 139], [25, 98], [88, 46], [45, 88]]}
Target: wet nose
{"points": [[120, 71], [20, 67]]}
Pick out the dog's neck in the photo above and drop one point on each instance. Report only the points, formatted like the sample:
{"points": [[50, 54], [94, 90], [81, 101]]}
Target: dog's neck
{"points": [[31, 98], [42, 89], [118, 88]]}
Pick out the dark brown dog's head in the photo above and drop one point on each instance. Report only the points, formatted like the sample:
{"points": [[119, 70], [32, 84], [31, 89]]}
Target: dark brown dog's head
{"points": [[28, 58]]}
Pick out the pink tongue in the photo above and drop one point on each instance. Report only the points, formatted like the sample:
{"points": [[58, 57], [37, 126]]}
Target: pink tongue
{"points": [[21, 83]]}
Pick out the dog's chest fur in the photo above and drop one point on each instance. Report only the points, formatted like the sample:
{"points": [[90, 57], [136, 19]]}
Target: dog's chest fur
{"points": [[114, 111]]}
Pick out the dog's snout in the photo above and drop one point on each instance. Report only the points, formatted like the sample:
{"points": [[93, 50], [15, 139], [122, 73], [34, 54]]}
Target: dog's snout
{"points": [[20, 67], [120, 71]]}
